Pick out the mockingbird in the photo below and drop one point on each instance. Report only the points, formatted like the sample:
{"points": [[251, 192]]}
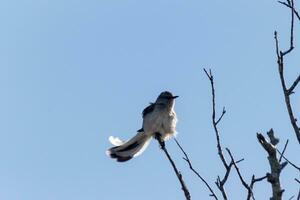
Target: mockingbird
{"points": [[159, 121]]}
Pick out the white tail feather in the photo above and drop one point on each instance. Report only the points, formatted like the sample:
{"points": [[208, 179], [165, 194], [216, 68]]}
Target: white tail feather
{"points": [[127, 150], [115, 141]]}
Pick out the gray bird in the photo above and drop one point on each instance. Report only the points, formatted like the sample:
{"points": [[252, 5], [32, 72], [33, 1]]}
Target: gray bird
{"points": [[159, 119]]}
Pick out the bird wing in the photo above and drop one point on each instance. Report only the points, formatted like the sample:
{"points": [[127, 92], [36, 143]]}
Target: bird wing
{"points": [[148, 109]]}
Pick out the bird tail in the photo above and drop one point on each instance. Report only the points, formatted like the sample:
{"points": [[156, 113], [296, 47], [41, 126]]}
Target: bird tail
{"points": [[124, 151]]}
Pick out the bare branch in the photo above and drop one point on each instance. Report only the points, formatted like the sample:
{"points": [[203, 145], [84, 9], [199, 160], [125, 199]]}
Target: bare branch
{"points": [[186, 158], [220, 183], [178, 174], [285, 146], [209, 75], [223, 181], [253, 181], [249, 189], [292, 30], [295, 166], [238, 170], [277, 46], [287, 5], [258, 179], [280, 61], [274, 140], [291, 89], [220, 118], [214, 121], [297, 180], [273, 177]]}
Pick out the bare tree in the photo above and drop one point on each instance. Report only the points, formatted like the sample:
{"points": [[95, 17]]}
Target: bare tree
{"points": [[281, 54], [275, 157]]}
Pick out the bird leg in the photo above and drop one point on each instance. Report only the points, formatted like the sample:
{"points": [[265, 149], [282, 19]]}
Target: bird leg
{"points": [[158, 137]]}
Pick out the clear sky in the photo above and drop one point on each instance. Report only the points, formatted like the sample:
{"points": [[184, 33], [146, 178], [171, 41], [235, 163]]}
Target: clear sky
{"points": [[74, 72]]}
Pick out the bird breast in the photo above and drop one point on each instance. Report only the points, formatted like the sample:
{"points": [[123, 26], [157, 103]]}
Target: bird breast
{"points": [[160, 122]]}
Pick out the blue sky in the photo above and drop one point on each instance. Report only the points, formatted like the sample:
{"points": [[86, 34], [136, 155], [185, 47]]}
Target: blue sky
{"points": [[72, 73]]}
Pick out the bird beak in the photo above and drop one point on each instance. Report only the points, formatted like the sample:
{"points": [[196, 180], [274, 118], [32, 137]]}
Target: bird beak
{"points": [[174, 97]]}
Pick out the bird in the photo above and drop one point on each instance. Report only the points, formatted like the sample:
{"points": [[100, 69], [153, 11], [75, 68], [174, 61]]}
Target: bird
{"points": [[159, 122]]}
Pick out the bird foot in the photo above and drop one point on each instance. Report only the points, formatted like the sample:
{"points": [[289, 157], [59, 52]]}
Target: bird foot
{"points": [[161, 142]]}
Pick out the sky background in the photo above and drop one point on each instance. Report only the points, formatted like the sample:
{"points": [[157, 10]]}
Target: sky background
{"points": [[74, 72]]}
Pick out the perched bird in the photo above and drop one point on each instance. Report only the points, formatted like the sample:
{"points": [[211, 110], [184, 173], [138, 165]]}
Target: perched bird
{"points": [[159, 120]]}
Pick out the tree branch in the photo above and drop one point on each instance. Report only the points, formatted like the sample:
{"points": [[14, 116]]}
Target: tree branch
{"points": [[253, 181], [248, 188], [214, 121], [287, 5], [285, 158], [285, 146], [273, 177], [220, 118], [292, 30], [291, 89], [186, 158], [220, 183], [178, 174], [280, 61]]}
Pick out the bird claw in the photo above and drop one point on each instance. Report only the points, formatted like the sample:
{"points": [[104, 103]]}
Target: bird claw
{"points": [[158, 137]]}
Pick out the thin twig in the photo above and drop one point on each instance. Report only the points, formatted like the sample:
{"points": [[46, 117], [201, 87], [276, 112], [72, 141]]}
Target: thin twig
{"points": [[287, 5], [295, 166], [178, 174], [249, 189], [253, 181], [291, 89], [220, 183], [186, 158], [220, 118], [214, 121], [277, 46], [292, 31], [285, 146], [280, 61]]}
